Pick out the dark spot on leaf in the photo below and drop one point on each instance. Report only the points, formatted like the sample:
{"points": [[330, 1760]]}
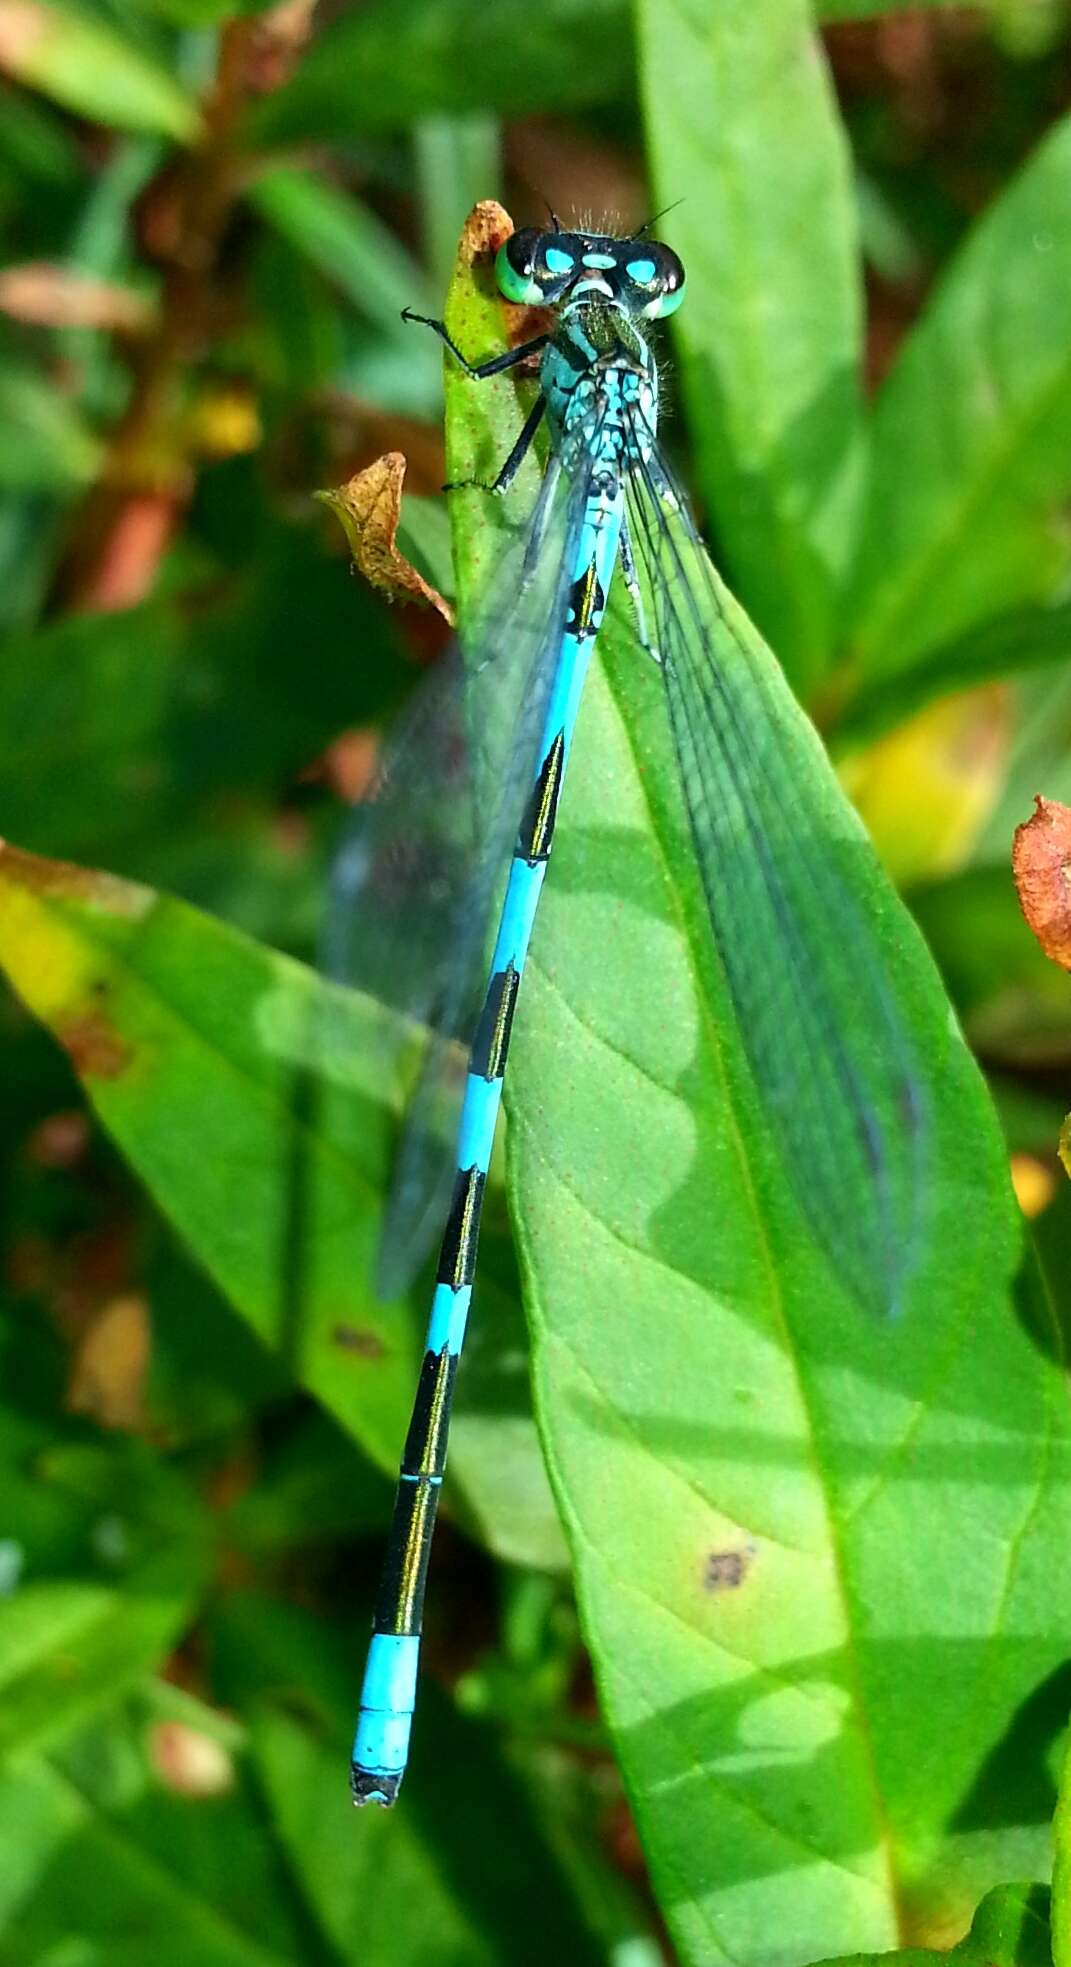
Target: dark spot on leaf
{"points": [[725, 1570], [353, 1338], [94, 1046]]}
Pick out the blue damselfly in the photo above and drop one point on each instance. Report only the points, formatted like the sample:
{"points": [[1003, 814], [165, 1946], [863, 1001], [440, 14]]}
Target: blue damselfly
{"points": [[459, 832]]}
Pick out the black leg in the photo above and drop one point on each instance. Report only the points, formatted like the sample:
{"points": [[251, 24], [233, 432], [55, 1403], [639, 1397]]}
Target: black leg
{"points": [[481, 370], [513, 463]]}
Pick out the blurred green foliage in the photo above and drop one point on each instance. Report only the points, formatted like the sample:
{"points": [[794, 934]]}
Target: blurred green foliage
{"points": [[211, 221]]}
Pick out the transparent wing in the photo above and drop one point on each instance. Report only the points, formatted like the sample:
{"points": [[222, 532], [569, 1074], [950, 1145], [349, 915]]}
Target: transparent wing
{"points": [[416, 882], [788, 878]]}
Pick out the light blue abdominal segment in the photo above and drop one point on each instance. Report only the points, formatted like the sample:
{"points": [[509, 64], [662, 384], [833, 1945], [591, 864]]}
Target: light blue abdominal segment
{"points": [[829, 1057]]}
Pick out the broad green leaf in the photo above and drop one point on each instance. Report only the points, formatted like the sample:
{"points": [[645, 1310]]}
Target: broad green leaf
{"points": [[972, 436], [350, 246], [36, 142], [1027, 638], [142, 720], [94, 69], [415, 1884], [102, 1860], [738, 102], [458, 161], [816, 1554], [254, 1102], [68, 1647], [356, 253], [390, 62], [1010, 1929]]}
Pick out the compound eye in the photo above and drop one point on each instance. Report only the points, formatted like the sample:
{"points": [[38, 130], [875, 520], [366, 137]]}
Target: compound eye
{"points": [[665, 281], [517, 267]]}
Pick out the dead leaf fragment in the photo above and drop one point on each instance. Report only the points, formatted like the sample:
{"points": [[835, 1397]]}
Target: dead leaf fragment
{"points": [[110, 1366], [190, 1762], [48, 295], [487, 227], [1041, 863], [368, 508]]}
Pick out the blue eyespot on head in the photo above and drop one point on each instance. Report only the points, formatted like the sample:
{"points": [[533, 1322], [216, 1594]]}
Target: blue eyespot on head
{"points": [[556, 261]]}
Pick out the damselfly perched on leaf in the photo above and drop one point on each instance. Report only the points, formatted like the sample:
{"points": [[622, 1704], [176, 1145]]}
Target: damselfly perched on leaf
{"points": [[458, 833]]}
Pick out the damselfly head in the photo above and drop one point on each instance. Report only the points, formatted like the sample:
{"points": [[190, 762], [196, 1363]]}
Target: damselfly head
{"points": [[545, 269]]}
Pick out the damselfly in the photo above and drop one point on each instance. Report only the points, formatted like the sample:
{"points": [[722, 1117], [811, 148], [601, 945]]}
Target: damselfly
{"points": [[461, 826]]}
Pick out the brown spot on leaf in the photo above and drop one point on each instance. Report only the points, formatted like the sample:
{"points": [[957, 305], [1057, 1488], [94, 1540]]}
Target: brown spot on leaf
{"points": [[1041, 863], [358, 1340], [369, 507], [725, 1570], [94, 1046]]}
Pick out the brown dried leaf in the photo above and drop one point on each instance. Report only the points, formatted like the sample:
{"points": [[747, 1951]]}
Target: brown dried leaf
{"points": [[487, 227], [190, 1762], [111, 1364], [368, 508], [1041, 863], [50, 296]]}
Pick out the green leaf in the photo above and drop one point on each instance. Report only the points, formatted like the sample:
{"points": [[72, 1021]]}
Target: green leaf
{"points": [[254, 1101], [104, 1861], [1010, 1929], [414, 1884], [360, 258], [393, 61], [1014, 1003], [768, 1496], [1023, 639], [1040, 759], [342, 238], [45, 445], [229, 705], [94, 69], [201, 13], [69, 1646], [1061, 1869], [738, 101], [972, 436], [458, 161], [741, 1463]]}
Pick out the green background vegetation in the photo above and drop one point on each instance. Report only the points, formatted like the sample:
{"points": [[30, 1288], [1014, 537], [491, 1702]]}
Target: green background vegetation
{"points": [[773, 1668]]}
